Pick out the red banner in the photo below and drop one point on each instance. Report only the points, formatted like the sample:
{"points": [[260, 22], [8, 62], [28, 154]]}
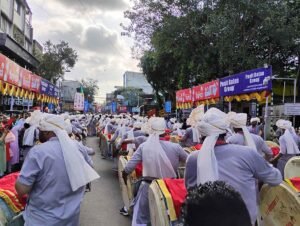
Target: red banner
{"points": [[13, 73], [25, 77], [206, 91], [2, 66], [35, 83], [184, 96]]}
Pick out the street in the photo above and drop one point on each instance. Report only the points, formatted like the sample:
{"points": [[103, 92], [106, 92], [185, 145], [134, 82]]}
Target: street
{"points": [[101, 205]]}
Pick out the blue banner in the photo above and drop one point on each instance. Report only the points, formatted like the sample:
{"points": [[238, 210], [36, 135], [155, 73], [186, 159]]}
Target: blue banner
{"points": [[114, 107], [168, 106], [255, 80], [86, 106]]}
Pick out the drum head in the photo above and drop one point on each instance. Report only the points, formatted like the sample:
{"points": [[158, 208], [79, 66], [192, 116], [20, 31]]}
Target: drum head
{"points": [[292, 168], [279, 206]]}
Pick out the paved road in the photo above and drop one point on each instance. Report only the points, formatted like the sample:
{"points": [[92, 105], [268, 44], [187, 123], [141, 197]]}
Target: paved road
{"points": [[101, 206]]}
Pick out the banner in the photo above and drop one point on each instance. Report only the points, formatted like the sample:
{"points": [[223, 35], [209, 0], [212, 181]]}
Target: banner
{"points": [[86, 106], [206, 91], [56, 91], [44, 87], [2, 66], [79, 102], [247, 82], [12, 75], [184, 96], [51, 90], [35, 83], [25, 78], [168, 106]]}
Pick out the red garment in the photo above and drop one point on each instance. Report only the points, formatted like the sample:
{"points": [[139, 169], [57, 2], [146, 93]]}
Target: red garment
{"points": [[275, 151], [7, 188], [165, 138], [7, 147], [198, 146], [296, 182], [168, 131], [124, 147], [139, 170], [178, 192]]}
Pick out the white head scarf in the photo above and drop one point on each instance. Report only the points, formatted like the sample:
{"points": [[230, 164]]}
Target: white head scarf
{"points": [[213, 123], [255, 120], [195, 116], [291, 146], [239, 120], [79, 171], [177, 127], [155, 161], [29, 134]]}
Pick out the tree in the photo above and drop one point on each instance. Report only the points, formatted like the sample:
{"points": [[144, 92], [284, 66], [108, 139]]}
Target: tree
{"points": [[56, 60], [90, 88], [183, 43]]}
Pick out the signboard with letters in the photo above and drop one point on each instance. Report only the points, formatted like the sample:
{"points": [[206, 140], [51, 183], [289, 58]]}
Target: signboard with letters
{"points": [[79, 102], [35, 83], [184, 96], [247, 82], [206, 91], [292, 109], [25, 78]]}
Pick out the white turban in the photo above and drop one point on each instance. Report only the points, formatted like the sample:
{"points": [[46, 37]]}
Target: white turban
{"points": [[255, 120], [239, 120], [291, 146], [79, 171], [213, 123], [137, 125], [155, 160]]}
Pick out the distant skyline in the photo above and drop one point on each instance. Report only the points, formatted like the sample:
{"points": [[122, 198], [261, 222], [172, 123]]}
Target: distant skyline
{"points": [[92, 28]]}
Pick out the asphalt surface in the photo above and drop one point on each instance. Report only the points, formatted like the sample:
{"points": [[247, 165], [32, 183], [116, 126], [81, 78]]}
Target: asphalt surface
{"points": [[101, 205]]}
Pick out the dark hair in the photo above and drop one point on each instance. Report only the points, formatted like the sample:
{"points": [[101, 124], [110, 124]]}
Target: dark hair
{"points": [[26, 125], [215, 204]]}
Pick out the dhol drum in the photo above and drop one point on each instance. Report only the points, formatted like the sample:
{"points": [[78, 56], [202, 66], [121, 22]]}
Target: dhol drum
{"points": [[126, 190], [163, 210], [292, 168], [279, 206]]}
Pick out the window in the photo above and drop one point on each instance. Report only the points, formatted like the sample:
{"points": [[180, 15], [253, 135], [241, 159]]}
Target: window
{"points": [[18, 7], [4, 25]]}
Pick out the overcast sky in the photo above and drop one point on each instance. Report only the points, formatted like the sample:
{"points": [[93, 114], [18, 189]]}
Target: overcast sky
{"points": [[92, 28]]}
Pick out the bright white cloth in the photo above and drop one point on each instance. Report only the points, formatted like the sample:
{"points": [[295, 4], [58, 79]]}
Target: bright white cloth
{"points": [[28, 139], [155, 161], [256, 119], [79, 171], [196, 135], [130, 136], [239, 120], [213, 123]]}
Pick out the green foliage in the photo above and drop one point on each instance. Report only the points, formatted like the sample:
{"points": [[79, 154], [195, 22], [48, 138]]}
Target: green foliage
{"points": [[90, 89], [187, 42], [56, 60]]}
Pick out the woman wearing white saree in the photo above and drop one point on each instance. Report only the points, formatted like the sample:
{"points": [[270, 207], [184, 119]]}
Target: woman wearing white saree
{"points": [[160, 160]]}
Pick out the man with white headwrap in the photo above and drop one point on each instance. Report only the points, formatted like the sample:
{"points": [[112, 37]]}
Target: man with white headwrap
{"points": [[242, 136], [237, 165], [54, 176], [254, 127], [289, 142], [160, 160]]}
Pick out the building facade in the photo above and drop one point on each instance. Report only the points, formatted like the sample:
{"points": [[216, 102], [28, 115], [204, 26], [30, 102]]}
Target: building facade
{"points": [[16, 33], [137, 80]]}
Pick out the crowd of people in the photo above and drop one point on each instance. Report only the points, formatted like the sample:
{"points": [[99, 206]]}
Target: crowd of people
{"points": [[56, 166], [232, 151]]}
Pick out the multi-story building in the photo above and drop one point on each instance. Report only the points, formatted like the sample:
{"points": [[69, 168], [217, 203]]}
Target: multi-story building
{"points": [[16, 32], [68, 91], [137, 80]]}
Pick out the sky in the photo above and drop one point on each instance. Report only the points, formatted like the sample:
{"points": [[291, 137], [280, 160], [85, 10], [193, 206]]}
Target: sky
{"points": [[92, 28]]}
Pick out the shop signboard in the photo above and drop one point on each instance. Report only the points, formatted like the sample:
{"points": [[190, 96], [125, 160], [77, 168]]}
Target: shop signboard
{"points": [[17, 101], [292, 109], [184, 96], [79, 102], [44, 87], [179, 96], [51, 90], [206, 91], [12, 74], [56, 91], [255, 80], [25, 78], [35, 83], [2, 66]]}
